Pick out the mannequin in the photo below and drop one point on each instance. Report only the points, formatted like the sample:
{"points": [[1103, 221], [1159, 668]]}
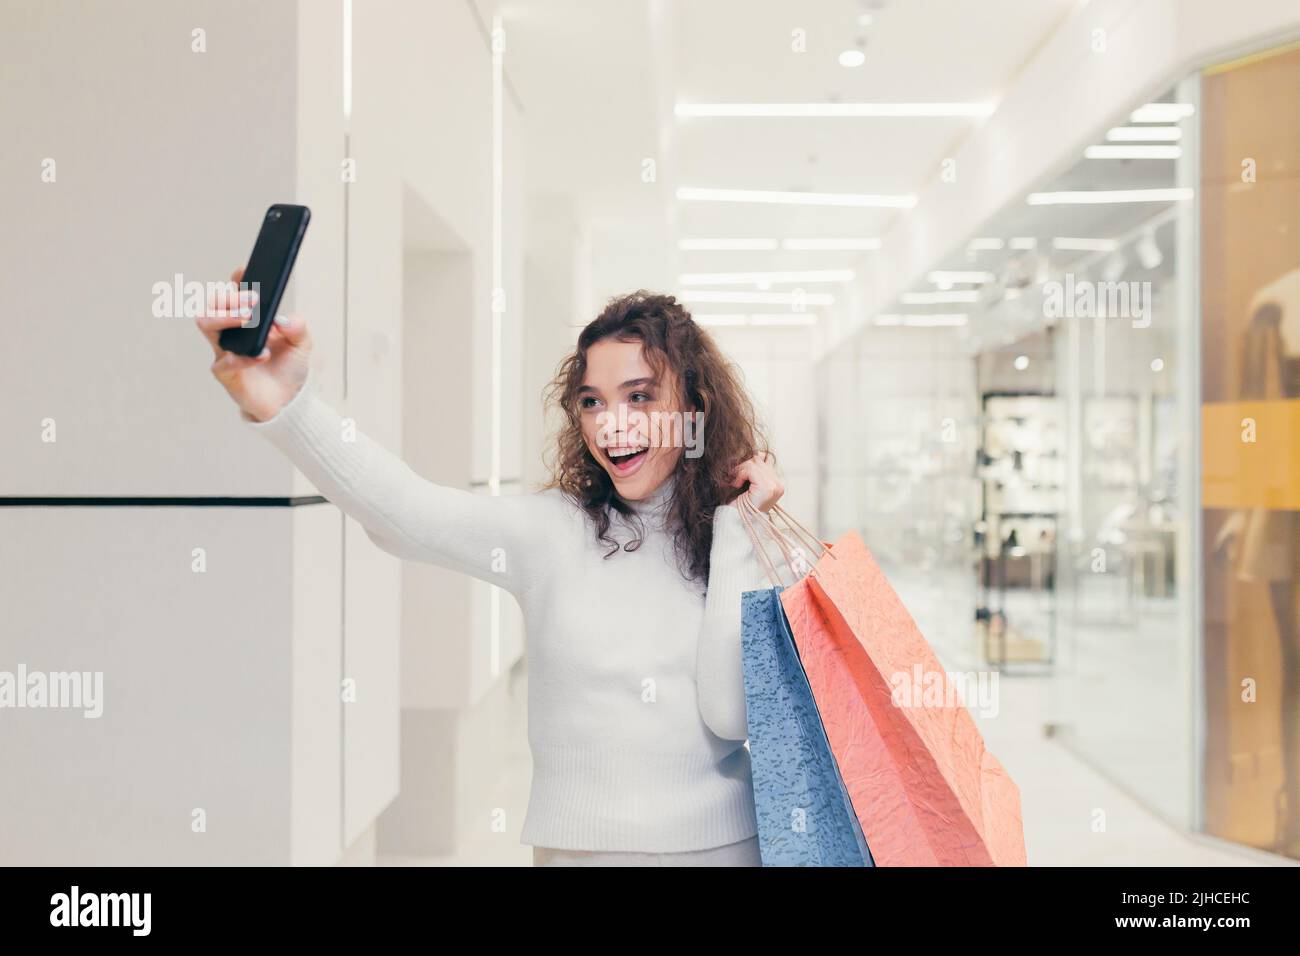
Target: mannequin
{"points": [[1268, 549]]}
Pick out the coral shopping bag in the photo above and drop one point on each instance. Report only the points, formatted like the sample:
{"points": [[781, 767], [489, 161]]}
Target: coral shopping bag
{"points": [[804, 814], [925, 790]]}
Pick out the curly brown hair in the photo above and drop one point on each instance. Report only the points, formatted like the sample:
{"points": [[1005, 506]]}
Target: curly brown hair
{"points": [[671, 341]]}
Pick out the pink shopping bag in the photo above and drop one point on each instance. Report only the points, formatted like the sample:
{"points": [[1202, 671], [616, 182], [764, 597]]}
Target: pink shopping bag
{"points": [[925, 790]]}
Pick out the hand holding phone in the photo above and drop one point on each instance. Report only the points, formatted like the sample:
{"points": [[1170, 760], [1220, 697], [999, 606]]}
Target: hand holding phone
{"points": [[267, 274], [262, 365]]}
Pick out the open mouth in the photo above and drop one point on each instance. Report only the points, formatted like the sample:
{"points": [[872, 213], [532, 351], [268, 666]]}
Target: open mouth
{"points": [[626, 459]]}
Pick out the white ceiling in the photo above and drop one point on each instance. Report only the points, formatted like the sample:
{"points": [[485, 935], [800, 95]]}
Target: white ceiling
{"points": [[598, 78]]}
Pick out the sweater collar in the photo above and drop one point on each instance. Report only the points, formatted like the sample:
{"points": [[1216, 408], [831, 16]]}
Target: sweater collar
{"points": [[657, 500]]}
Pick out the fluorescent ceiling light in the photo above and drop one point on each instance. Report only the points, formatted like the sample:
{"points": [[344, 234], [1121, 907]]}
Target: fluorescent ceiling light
{"points": [[796, 198], [347, 59], [1105, 196], [985, 244], [931, 320], [792, 318], [1144, 134], [1083, 244], [751, 278], [1133, 152], [1162, 113], [912, 110], [719, 319], [759, 298], [937, 319], [828, 244], [852, 58], [938, 298], [765, 319], [939, 277], [716, 245]]}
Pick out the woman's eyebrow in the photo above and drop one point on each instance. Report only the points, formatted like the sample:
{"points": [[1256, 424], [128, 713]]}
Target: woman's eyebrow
{"points": [[630, 383]]}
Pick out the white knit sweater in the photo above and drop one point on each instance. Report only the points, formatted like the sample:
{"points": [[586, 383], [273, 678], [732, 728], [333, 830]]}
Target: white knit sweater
{"points": [[636, 704]]}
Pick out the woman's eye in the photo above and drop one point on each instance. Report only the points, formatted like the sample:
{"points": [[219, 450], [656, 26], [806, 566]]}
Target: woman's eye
{"points": [[640, 397], [587, 402]]}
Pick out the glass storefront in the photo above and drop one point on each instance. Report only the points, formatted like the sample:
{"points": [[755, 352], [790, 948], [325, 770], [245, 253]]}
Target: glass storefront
{"points": [[1250, 440], [1089, 470]]}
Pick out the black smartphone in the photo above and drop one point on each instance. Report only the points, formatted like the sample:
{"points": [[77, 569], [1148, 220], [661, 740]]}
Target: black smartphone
{"points": [[267, 274]]}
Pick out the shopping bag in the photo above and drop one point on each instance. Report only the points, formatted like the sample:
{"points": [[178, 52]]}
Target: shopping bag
{"points": [[924, 788], [804, 814]]}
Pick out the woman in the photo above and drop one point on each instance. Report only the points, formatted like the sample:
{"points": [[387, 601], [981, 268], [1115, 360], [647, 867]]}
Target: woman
{"points": [[629, 568]]}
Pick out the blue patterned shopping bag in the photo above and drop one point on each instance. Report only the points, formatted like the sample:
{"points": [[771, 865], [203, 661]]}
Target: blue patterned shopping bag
{"points": [[804, 814]]}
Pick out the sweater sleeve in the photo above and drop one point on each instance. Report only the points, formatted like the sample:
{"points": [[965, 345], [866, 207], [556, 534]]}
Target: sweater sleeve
{"points": [[720, 678], [489, 537]]}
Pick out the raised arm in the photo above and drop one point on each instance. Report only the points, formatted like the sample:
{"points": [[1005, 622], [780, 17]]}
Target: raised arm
{"points": [[491, 538], [497, 539]]}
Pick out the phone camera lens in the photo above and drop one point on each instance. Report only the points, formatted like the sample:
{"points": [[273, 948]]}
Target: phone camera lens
{"points": [[273, 214]]}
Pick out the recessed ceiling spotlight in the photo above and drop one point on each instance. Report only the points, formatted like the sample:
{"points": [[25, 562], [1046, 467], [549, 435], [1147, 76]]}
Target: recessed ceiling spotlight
{"points": [[1022, 362], [1148, 250], [1157, 365], [1114, 266], [852, 58]]}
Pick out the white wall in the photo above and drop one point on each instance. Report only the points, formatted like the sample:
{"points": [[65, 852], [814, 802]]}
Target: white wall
{"points": [[167, 159], [776, 368]]}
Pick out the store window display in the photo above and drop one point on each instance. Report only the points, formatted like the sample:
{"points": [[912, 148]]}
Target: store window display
{"points": [[1250, 372], [1263, 544]]}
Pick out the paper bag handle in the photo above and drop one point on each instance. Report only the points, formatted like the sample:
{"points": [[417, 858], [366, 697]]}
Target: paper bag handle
{"points": [[755, 519]]}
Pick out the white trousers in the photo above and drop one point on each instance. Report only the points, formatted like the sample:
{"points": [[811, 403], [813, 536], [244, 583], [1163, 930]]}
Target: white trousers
{"points": [[744, 853]]}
